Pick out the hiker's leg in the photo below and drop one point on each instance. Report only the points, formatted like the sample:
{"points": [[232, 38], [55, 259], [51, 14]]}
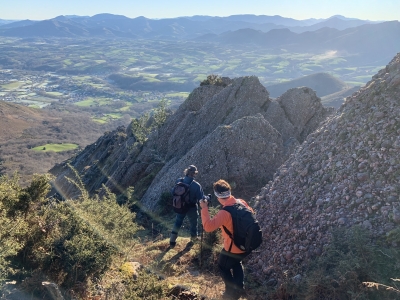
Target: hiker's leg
{"points": [[177, 226], [228, 261], [238, 275], [225, 264], [193, 215], [178, 223]]}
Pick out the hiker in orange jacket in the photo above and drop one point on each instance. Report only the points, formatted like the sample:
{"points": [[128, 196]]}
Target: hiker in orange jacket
{"points": [[230, 258]]}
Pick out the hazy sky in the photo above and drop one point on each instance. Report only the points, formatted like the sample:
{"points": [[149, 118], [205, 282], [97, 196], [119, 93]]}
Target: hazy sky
{"points": [[297, 9]]}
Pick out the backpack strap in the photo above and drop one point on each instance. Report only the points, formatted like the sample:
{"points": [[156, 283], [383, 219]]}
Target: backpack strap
{"points": [[188, 190], [230, 235], [226, 229]]}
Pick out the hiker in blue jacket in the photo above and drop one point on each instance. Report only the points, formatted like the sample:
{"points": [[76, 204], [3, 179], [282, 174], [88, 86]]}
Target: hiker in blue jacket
{"points": [[195, 194]]}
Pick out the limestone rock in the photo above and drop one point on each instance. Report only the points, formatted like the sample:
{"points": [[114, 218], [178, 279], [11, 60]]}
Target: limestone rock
{"points": [[345, 173], [234, 132], [247, 150]]}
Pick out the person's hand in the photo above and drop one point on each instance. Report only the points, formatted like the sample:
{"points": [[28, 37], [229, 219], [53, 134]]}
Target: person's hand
{"points": [[203, 203]]}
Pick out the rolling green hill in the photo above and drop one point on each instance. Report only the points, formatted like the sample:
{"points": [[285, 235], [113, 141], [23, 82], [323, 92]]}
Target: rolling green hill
{"points": [[322, 83], [336, 99]]}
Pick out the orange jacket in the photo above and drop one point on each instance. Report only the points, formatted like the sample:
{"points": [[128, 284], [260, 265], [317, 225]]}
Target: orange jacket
{"points": [[222, 218]]}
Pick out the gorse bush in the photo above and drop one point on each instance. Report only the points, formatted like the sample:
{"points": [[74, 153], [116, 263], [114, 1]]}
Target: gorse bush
{"points": [[12, 224], [69, 242], [16, 207], [114, 222], [67, 247]]}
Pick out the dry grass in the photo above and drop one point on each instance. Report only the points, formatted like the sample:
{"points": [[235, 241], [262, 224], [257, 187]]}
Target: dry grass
{"points": [[15, 118], [177, 267]]}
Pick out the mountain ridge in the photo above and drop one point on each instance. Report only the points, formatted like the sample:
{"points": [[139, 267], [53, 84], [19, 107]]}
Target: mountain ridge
{"points": [[163, 156], [191, 26]]}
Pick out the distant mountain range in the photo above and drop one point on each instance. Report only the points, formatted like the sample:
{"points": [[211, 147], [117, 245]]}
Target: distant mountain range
{"points": [[3, 22], [371, 43], [109, 25], [360, 41]]}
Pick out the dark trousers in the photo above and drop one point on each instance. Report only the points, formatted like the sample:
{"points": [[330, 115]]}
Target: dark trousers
{"points": [[192, 215], [231, 269]]}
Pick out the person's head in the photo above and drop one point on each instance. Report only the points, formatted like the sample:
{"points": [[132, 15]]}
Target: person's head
{"points": [[191, 171], [222, 190]]}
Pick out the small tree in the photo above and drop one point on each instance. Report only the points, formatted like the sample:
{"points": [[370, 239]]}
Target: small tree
{"points": [[160, 114], [213, 80], [146, 124], [140, 128]]}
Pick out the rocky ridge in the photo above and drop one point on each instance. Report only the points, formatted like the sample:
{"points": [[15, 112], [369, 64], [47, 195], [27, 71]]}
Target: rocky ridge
{"points": [[345, 173], [213, 129]]}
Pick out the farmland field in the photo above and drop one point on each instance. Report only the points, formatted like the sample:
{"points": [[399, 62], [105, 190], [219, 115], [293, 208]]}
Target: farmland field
{"points": [[88, 85], [106, 76], [55, 147]]}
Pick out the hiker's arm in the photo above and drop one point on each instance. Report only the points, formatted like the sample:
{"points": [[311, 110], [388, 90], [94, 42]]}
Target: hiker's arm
{"points": [[221, 218], [199, 194]]}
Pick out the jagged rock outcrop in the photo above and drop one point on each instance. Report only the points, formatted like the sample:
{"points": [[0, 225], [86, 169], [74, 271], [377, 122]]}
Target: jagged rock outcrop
{"points": [[233, 132], [94, 163], [236, 156], [346, 173]]}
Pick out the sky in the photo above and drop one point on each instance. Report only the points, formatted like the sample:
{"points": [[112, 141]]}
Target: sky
{"points": [[374, 10]]}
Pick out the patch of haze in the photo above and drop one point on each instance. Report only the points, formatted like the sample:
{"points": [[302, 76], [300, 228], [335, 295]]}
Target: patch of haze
{"points": [[327, 55]]}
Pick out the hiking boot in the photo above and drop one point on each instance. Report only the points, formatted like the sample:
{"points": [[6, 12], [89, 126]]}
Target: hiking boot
{"points": [[172, 240]]}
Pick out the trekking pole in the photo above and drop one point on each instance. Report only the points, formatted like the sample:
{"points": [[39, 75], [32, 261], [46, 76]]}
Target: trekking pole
{"points": [[202, 234], [201, 246]]}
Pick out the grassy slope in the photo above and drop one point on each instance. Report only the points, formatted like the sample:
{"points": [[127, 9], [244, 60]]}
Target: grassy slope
{"points": [[15, 118], [23, 128]]}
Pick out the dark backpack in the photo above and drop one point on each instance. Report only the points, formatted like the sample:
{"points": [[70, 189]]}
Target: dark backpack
{"points": [[247, 234], [180, 197]]}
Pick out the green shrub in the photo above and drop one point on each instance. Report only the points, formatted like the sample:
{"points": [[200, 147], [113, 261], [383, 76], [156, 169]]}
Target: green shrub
{"points": [[80, 238], [126, 198], [164, 204], [16, 203], [213, 80], [147, 123], [146, 286], [70, 242], [115, 223], [211, 246], [66, 247]]}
